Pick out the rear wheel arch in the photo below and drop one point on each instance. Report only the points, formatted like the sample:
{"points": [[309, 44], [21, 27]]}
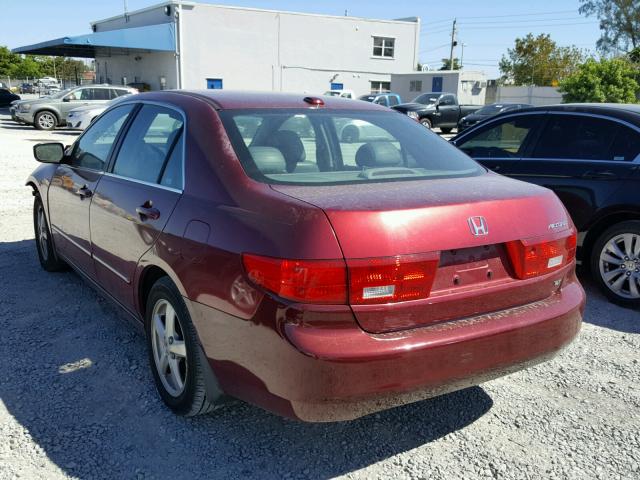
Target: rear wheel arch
{"points": [[149, 276], [598, 228]]}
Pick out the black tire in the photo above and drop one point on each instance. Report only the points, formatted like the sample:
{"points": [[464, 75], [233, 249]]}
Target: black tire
{"points": [[193, 399], [425, 122], [446, 131], [45, 120], [44, 244], [624, 295]]}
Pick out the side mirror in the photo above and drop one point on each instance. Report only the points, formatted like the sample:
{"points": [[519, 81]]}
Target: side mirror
{"points": [[51, 152], [66, 99]]}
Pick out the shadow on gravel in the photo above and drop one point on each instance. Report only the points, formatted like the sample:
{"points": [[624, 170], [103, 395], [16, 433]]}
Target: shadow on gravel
{"points": [[605, 314], [74, 375]]}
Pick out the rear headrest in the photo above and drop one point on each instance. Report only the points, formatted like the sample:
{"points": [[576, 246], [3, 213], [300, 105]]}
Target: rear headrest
{"points": [[290, 145], [378, 154], [269, 160]]}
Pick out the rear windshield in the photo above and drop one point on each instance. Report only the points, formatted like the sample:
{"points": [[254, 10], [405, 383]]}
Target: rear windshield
{"points": [[326, 147]]}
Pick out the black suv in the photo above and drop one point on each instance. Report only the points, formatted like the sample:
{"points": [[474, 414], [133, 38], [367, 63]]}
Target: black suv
{"points": [[588, 154]]}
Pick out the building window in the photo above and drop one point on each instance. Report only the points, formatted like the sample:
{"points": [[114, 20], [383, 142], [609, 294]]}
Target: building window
{"points": [[415, 86], [214, 83], [380, 87], [383, 47]]}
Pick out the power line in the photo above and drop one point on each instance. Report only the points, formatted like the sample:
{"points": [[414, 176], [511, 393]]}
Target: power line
{"points": [[557, 12]]}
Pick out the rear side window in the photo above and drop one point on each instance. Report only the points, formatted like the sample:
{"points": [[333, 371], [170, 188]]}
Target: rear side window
{"points": [[149, 144], [578, 137], [504, 139], [324, 147], [92, 149], [100, 94], [118, 92], [447, 100]]}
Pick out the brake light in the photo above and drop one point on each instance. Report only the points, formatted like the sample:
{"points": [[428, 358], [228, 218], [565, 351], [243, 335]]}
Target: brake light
{"points": [[531, 258], [391, 279], [309, 281]]}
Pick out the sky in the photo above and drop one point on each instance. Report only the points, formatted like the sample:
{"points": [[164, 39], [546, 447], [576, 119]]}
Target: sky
{"points": [[487, 29]]}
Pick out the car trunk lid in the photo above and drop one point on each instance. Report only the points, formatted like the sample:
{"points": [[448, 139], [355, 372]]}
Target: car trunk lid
{"points": [[467, 222]]}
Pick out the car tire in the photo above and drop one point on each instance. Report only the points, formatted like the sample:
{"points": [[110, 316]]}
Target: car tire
{"points": [[446, 131], [615, 263], [174, 352], [44, 243], [425, 122], [45, 120]]}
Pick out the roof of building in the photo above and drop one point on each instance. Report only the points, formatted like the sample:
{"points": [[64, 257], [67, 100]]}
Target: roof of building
{"points": [[159, 37]]}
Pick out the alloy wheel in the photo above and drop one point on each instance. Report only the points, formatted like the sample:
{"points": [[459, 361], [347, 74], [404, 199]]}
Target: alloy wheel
{"points": [[169, 349], [46, 121], [620, 265], [43, 234]]}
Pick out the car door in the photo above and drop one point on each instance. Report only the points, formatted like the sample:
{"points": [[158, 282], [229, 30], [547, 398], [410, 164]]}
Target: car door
{"points": [[584, 159], [448, 111], [499, 144], [75, 99], [72, 186], [136, 196]]}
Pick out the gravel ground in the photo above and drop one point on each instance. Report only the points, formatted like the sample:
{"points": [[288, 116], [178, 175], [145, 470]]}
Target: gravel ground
{"points": [[77, 399]]}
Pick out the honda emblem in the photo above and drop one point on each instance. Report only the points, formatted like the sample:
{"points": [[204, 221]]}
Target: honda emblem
{"points": [[478, 226]]}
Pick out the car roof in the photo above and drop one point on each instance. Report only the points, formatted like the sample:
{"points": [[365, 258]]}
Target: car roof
{"points": [[622, 111], [231, 100]]}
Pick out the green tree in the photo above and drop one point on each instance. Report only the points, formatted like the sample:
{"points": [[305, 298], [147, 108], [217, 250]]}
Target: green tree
{"points": [[619, 23], [8, 62], [446, 64], [539, 61], [28, 67], [601, 81]]}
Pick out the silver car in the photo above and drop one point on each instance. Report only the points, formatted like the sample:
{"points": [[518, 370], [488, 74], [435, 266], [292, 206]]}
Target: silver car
{"points": [[81, 117], [49, 112]]}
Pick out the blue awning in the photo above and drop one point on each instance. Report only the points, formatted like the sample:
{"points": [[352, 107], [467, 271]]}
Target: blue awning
{"points": [[161, 37]]}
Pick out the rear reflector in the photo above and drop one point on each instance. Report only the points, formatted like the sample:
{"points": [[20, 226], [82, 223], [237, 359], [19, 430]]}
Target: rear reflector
{"points": [[531, 258], [391, 279], [308, 281]]}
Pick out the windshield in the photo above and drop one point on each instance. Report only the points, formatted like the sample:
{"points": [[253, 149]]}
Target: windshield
{"points": [[427, 98], [60, 94], [316, 147]]}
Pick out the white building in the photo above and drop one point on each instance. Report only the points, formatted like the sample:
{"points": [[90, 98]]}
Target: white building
{"points": [[469, 86], [178, 44]]}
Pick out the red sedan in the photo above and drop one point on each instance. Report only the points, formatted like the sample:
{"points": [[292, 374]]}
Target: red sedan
{"points": [[320, 275]]}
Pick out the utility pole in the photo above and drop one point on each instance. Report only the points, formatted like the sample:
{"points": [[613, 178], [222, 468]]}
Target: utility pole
{"points": [[453, 44]]}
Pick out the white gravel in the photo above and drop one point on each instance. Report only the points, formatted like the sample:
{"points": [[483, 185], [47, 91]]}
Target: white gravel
{"points": [[77, 398]]}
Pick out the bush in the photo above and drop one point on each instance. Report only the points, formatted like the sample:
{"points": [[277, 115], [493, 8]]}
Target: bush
{"points": [[610, 81]]}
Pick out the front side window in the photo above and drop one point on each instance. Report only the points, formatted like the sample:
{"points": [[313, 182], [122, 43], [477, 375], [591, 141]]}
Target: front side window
{"points": [[149, 144], [93, 147], [393, 100], [383, 47], [502, 140], [578, 137], [100, 94], [316, 147]]}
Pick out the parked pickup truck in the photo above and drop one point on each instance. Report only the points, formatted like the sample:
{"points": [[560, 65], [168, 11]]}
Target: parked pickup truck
{"points": [[437, 110]]}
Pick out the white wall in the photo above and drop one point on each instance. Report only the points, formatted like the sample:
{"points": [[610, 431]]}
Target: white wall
{"points": [[537, 96], [461, 82], [269, 50], [148, 67]]}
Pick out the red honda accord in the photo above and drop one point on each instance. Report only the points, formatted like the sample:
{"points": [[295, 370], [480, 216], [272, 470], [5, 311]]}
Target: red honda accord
{"points": [[318, 257]]}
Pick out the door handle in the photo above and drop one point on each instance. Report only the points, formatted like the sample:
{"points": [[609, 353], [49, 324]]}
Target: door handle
{"points": [[146, 211], [84, 192], [602, 174]]}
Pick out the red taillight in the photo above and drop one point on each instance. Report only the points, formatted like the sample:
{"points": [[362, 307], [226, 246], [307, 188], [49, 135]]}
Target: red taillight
{"points": [[309, 281], [531, 258], [391, 279], [371, 280]]}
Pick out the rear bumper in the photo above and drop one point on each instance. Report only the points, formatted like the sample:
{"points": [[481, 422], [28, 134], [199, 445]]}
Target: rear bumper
{"points": [[323, 373]]}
